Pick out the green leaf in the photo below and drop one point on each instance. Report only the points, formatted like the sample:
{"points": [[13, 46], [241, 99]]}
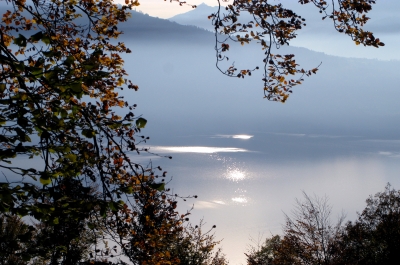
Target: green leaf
{"points": [[76, 87], [89, 66], [45, 181], [27, 138], [97, 53], [128, 189], [71, 157], [48, 54], [46, 39], [88, 133], [141, 123], [55, 221], [63, 113], [113, 206], [102, 74], [70, 60], [2, 87], [20, 41], [75, 109], [39, 62], [37, 71], [24, 96], [114, 125], [158, 186], [51, 75], [20, 66], [38, 36]]}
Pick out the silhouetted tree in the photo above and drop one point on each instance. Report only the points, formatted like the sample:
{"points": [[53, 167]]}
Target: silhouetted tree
{"points": [[309, 233], [266, 253], [59, 81], [309, 237], [15, 240], [194, 246], [374, 238]]}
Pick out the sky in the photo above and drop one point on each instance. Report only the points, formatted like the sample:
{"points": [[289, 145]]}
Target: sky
{"points": [[167, 9], [318, 35], [248, 159], [335, 136]]}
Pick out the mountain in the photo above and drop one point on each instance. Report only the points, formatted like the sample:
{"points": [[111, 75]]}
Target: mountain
{"points": [[174, 66], [151, 29], [197, 17], [384, 16], [320, 35]]}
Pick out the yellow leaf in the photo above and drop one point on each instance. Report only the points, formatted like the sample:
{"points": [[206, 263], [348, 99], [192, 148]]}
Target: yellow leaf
{"points": [[120, 81]]}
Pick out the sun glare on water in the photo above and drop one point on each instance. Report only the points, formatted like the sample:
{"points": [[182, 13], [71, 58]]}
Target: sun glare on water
{"points": [[236, 175], [242, 136], [198, 149], [241, 200]]}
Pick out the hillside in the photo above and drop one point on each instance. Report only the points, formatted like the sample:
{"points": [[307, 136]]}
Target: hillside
{"points": [[174, 66], [320, 35]]}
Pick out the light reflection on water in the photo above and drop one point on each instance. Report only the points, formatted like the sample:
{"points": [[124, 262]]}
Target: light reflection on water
{"points": [[242, 200], [236, 175], [240, 197], [247, 191], [235, 136], [197, 149], [235, 171], [242, 136]]}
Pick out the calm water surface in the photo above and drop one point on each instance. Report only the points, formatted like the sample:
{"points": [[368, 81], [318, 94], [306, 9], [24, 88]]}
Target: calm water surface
{"points": [[246, 183]]}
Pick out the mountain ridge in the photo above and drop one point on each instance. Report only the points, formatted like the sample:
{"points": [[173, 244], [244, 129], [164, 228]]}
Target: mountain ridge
{"points": [[320, 35]]}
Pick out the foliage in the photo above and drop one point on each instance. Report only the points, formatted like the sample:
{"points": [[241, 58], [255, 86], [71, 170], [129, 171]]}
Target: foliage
{"points": [[274, 26], [374, 238], [195, 247], [308, 237], [70, 239], [309, 234], [59, 78], [154, 233], [15, 236], [147, 228], [264, 254]]}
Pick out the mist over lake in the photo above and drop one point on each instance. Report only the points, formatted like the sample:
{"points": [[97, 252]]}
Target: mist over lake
{"points": [[246, 158]]}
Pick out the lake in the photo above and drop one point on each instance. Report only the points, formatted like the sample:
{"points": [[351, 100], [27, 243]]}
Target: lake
{"points": [[248, 159], [246, 184]]}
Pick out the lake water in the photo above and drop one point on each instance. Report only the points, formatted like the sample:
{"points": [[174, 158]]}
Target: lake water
{"points": [[248, 159], [245, 183]]}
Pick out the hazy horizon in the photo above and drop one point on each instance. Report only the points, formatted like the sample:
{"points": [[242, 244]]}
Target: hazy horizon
{"points": [[335, 136], [246, 158]]}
